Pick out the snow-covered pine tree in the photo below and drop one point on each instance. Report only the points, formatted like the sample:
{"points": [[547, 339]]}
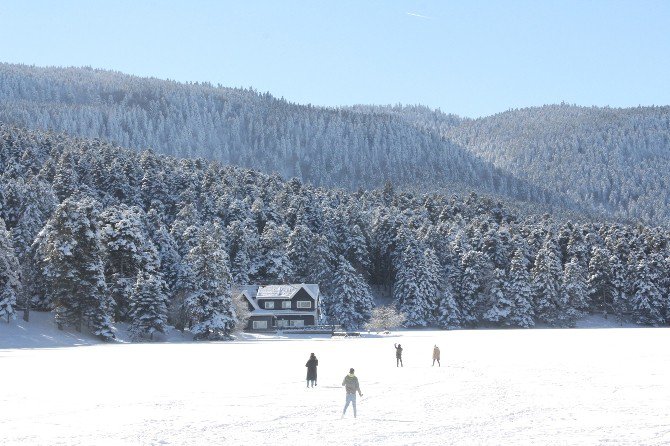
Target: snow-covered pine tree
{"points": [[430, 281], [73, 266], [238, 251], [599, 282], [475, 272], [65, 183], [184, 227], [499, 302], [300, 244], [350, 302], [355, 248], [10, 284], [521, 312], [276, 267], [185, 286], [574, 291], [407, 290], [620, 301], [129, 252], [547, 280], [148, 306], [210, 304], [168, 256], [447, 312], [648, 301], [577, 247]]}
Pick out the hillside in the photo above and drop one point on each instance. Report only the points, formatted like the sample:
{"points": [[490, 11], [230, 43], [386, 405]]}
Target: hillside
{"points": [[320, 146], [612, 161], [606, 161]]}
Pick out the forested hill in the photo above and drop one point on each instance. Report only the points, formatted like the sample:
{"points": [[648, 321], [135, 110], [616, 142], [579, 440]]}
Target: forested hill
{"points": [[611, 160], [103, 234], [320, 146], [602, 160]]}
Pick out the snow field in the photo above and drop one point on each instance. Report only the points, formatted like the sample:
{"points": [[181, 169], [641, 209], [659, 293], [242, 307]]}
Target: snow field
{"points": [[598, 386]]}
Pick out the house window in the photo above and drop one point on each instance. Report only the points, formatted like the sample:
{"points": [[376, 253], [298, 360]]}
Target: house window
{"points": [[304, 304], [282, 323], [269, 305], [296, 323], [286, 305], [260, 325]]}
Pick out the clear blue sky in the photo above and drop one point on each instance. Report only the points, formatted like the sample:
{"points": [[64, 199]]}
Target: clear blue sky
{"points": [[469, 58]]}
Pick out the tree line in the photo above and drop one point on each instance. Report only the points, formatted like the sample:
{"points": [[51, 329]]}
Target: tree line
{"points": [[98, 234]]}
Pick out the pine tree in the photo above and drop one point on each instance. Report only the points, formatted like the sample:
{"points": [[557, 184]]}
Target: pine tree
{"points": [[350, 302], [129, 252], [73, 266], [574, 291], [300, 244], [620, 301], [429, 277], [148, 306], [407, 290], [238, 250], [210, 304], [500, 305], [168, 256], [521, 312], [276, 266], [547, 279], [9, 275], [647, 301], [65, 182], [599, 281], [448, 314], [473, 281]]}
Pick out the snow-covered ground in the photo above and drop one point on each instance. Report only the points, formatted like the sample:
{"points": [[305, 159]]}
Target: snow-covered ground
{"points": [[580, 386]]}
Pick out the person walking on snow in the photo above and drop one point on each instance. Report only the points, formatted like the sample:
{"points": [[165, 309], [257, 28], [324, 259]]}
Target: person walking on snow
{"points": [[350, 383], [398, 355], [311, 369], [436, 356]]}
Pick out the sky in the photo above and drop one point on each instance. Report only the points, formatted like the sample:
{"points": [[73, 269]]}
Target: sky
{"points": [[471, 58]]}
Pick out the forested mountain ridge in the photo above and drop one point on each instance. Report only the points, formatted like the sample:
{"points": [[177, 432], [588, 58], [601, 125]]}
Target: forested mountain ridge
{"points": [[321, 146], [98, 234], [608, 161], [614, 161]]}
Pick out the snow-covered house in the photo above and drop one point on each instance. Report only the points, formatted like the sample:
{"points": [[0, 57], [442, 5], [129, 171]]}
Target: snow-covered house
{"points": [[278, 306]]}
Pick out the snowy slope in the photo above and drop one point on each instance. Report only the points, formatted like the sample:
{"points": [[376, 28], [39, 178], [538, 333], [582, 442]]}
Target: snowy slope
{"points": [[495, 387], [41, 332]]}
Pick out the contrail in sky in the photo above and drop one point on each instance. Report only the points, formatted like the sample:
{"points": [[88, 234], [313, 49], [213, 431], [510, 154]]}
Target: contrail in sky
{"points": [[414, 14]]}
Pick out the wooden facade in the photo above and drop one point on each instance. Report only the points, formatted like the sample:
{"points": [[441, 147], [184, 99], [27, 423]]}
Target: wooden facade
{"points": [[276, 307]]}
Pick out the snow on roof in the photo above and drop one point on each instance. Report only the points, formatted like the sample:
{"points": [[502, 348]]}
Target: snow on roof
{"points": [[250, 299], [285, 291], [312, 289], [278, 291]]}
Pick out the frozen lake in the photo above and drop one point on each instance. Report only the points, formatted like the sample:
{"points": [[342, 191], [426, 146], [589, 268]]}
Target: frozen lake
{"points": [[580, 386]]}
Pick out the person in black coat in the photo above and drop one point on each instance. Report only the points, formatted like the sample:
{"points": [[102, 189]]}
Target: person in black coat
{"points": [[311, 369]]}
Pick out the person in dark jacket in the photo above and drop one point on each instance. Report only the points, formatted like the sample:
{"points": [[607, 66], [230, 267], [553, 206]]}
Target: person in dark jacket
{"points": [[398, 355], [311, 369], [350, 383]]}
